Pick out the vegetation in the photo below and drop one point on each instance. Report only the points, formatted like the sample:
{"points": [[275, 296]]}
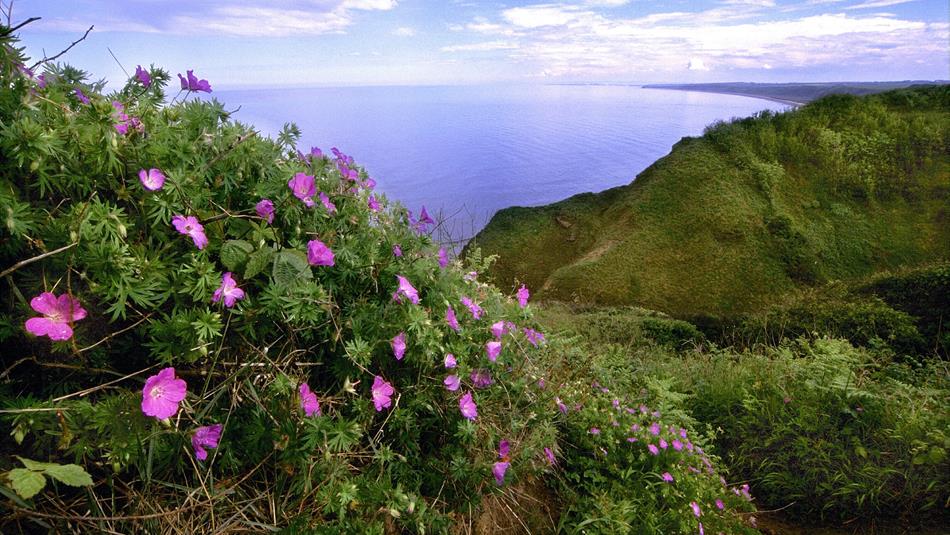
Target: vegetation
{"points": [[727, 223], [793, 92], [204, 330]]}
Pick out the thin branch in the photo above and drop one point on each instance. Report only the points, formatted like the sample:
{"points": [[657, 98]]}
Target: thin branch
{"points": [[29, 261], [118, 62], [83, 393], [117, 333], [20, 25], [74, 43]]}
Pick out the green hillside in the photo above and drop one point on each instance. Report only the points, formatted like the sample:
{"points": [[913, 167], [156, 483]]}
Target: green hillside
{"points": [[838, 189]]}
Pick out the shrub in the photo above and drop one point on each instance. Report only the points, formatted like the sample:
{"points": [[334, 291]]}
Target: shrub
{"points": [[302, 359]]}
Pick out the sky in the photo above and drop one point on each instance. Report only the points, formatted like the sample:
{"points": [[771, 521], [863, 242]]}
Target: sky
{"points": [[258, 43]]}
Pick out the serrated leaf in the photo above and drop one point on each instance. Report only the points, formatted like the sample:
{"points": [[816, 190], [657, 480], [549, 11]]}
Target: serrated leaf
{"points": [[257, 262], [70, 474], [234, 254], [291, 266], [36, 466], [25, 482]]}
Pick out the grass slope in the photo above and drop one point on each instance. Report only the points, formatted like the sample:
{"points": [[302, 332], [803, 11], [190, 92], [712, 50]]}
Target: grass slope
{"points": [[841, 188]]}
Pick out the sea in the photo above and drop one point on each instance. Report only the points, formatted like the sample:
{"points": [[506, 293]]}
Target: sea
{"points": [[465, 152]]}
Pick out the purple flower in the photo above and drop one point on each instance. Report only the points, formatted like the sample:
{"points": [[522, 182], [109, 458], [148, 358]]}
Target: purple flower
{"points": [[397, 251], [498, 470], [550, 456], [594, 431], [493, 349], [632, 439], [308, 401], [450, 361], [523, 295], [265, 210], [228, 290], [655, 429], [663, 444], [472, 307], [720, 505], [653, 449], [41, 81], [695, 507], [498, 329], [304, 188], [205, 437], [443, 257], [143, 76], [331, 208], [504, 449], [451, 319], [318, 254], [470, 276], [81, 96], [382, 393], [677, 445], [467, 407], [399, 345], [682, 432], [58, 313], [701, 530], [667, 477], [405, 289], [452, 383], [192, 83], [152, 180], [190, 226], [533, 336], [561, 406], [162, 394], [481, 378], [422, 224], [372, 203]]}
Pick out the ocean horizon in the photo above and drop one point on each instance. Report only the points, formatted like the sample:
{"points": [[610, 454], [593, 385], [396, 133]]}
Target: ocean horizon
{"points": [[465, 152]]}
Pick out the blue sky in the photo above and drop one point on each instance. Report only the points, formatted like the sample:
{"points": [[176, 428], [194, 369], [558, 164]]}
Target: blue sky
{"points": [[369, 42]]}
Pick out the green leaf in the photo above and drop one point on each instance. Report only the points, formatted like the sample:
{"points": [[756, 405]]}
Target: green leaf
{"points": [[36, 466], [257, 262], [70, 474], [26, 483], [234, 254], [291, 266]]}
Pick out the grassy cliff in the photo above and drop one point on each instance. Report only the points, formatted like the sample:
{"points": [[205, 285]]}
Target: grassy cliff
{"points": [[838, 189]]}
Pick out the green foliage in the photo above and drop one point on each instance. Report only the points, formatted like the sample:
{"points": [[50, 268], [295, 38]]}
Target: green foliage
{"points": [[76, 220], [728, 223]]}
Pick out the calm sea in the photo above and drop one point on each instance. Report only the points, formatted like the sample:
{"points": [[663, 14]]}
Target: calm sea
{"points": [[469, 151]]}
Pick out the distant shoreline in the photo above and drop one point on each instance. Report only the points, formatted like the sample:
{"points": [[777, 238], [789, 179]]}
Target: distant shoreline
{"points": [[727, 92], [796, 94]]}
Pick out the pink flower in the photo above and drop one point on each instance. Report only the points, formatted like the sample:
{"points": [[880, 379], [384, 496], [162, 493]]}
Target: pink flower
{"points": [[533, 336], [663, 444], [143, 76], [594, 431], [443, 257], [318, 254], [152, 180], [696, 510], [162, 394], [228, 290], [493, 349], [331, 208], [405, 289], [81, 96], [655, 429], [372, 203], [451, 319], [399, 345], [467, 407], [498, 329], [653, 449], [677, 445], [205, 437], [720, 505], [58, 313], [667, 477], [190, 226], [397, 250], [382, 392], [472, 307], [481, 378], [504, 449], [498, 470], [560, 405], [550, 456], [308, 401], [192, 83], [450, 361], [265, 210], [303, 187], [523, 295], [452, 383]]}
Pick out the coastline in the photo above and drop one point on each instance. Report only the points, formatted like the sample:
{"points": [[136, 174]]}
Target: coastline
{"points": [[792, 103]]}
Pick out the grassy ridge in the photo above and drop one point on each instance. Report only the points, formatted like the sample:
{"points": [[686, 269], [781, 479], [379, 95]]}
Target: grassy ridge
{"points": [[725, 223]]}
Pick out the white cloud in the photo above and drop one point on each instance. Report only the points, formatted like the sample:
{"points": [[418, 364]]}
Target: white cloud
{"points": [[607, 3], [696, 64], [755, 3], [878, 3], [264, 22], [383, 5], [541, 15], [481, 47], [404, 31]]}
